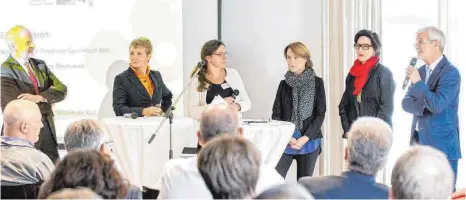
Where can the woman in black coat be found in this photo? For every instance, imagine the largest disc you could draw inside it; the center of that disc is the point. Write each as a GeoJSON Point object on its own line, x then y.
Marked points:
{"type": "Point", "coordinates": [300, 99]}
{"type": "Point", "coordinates": [369, 85]}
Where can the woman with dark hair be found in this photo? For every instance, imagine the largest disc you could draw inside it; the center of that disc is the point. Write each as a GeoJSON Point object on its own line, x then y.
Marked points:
{"type": "Point", "coordinates": [214, 80]}
{"type": "Point", "coordinates": [89, 169]}
{"type": "Point", "coordinates": [369, 85]}
{"type": "Point", "coordinates": [300, 99]}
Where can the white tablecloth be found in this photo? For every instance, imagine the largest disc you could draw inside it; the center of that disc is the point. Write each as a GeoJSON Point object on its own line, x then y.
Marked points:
{"type": "Point", "coordinates": [270, 138]}
{"type": "Point", "coordinates": [139, 162]}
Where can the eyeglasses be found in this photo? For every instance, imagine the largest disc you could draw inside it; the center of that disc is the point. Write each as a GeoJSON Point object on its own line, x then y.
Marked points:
{"type": "Point", "coordinates": [363, 46]}
{"type": "Point", "coordinates": [421, 42]}
{"type": "Point", "coordinates": [222, 55]}
{"type": "Point", "coordinates": [110, 144]}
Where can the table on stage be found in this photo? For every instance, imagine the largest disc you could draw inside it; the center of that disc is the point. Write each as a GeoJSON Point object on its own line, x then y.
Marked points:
{"type": "Point", "coordinates": [270, 138]}
{"type": "Point", "coordinates": [142, 163]}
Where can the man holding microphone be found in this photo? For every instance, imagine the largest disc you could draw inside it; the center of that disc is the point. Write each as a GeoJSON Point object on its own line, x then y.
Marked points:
{"type": "Point", "coordinates": [433, 97]}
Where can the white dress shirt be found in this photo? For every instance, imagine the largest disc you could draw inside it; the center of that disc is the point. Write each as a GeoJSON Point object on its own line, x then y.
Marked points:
{"type": "Point", "coordinates": [23, 62]}
{"type": "Point", "coordinates": [181, 179]}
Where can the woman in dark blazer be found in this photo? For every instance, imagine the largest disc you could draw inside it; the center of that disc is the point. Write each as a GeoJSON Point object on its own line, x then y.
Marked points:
{"type": "Point", "coordinates": [300, 99]}
{"type": "Point", "coordinates": [139, 89]}
{"type": "Point", "coordinates": [369, 85]}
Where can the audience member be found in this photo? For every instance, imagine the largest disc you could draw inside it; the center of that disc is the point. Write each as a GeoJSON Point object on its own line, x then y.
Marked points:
{"type": "Point", "coordinates": [285, 191]}
{"type": "Point", "coordinates": [77, 193]}
{"type": "Point", "coordinates": [369, 141]}
{"type": "Point", "coordinates": [21, 162]}
{"type": "Point", "coordinates": [229, 166]}
{"type": "Point", "coordinates": [87, 168]}
{"type": "Point", "coordinates": [422, 173]}
{"type": "Point", "coordinates": [181, 177]}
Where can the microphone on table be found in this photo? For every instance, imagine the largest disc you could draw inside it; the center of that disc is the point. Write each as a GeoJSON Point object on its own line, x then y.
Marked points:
{"type": "Point", "coordinates": [235, 93]}
{"type": "Point", "coordinates": [412, 63]}
{"type": "Point", "coordinates": [132, 115]}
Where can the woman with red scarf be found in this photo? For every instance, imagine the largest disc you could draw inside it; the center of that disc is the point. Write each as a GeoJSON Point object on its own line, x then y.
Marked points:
{"type": "Point", "coordinates": [369, 85]}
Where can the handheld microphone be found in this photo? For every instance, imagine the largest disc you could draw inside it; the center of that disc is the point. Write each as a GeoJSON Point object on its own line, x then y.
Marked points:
{"type": "Point", "coordinates": [412, 63]}
{"type": "Point", "coordinates": [235, 93]}
{"type": "Point", "coordinates": [132, 115]}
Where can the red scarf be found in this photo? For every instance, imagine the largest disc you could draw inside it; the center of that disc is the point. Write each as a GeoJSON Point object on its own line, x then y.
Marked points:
{"type": "Point", "coordinates": [361, 72]}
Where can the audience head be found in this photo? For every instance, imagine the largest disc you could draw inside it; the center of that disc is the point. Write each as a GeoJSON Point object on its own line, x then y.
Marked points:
{"type": "Point", "coordinates": [140, 52]}
{"type": "Point", "coordinates": [422, 173]}
{"type": "Point", "coordinates": [430, 43]}
{"type": "Point", "coordinates": [213, 55]}
{"type": "Point", "coordinates": [218, 120]}
{"type": "Point", "coordinates": [229, 166]}
{"type": "Point", "coordinates": [78, 193]}
{"type": "Point", "coordinates": [285, 191]}
{"type": "Point", "coordinates": [85, 134]}
{"type": "Point", "coordinates": [91, 169]}
{"type": "Point", "coordinates": [20, 42]}
{"type": "Point", "coordinates": [22, 119]}
{"type": "Point", "coordinates": [298, 57]}
{"type": "Point", "coordinates": [369, 141]}
{"type": "Point", "coordinates": [367, 44]}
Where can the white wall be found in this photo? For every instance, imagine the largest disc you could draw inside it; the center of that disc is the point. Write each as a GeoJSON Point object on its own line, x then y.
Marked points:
{"type": "Point", "coordinates": [199, 26]}
{"type": "Point", "coordinates": [255, 34]}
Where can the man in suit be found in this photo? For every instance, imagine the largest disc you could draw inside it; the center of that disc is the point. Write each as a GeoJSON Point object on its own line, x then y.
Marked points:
{"type": "Point", "coordinates": [369, 141]}
{"type": "Point", "coordinates": [24, 77]}
{"type": "Point", "coordinates": [139, 89]}
{"type": "Point", "coordinates": [433, 97]}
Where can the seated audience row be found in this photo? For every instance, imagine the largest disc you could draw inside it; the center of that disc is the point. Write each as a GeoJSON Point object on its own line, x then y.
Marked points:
{"type": "Point", "coordinates": [227, 166]}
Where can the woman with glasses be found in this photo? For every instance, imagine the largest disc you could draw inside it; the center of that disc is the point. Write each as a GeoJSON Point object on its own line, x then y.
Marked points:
{"type": "Point", "coordinates": [369, 85]}
{"type": "Point", "coordinates": [300, 99]}
{"type": "Point", "coordinates": [215, 81]}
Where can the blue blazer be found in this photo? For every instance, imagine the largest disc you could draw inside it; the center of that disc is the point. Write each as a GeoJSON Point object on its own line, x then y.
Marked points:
{"type": "Point", "coordinates": [435, 107]}
{"type": "Point", "coordinates": [349, 185]}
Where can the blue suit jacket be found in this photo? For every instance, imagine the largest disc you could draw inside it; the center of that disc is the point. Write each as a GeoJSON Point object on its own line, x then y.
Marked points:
{"type": "Point", "coordinates": [349, 185]}
{"type": "Point", "coordinates": [435, 107]}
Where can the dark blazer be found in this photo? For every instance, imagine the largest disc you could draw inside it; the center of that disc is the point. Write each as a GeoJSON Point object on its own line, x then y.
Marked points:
{"type": "Point", "coordinates": [435, 107]}
{"type": "Point", "coordinates": [15, 81]}
{"type": "Point", "coordinates": [349, 185]}
{"type": "Point", "coordinates": [283, 106]}
{"type": "Point", "coordinates": [130, 95]}
{"type": "Point", "coordinates": [376, 98]}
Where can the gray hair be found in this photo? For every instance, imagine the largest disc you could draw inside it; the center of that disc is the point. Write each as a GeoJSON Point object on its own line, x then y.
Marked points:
{"type": "Point", "coordinates": [422, 173]}
{"type": "Point", "coordinates": [434, 34]}
{"type": "Point", "coordinates": [84, 134]}
{"type": "Point", "coordinates": [216, 120]}
{"type": "Point", "coordinates": [286, 191]}
{"type": "Point", "coordinates": [229, 166]}
{"type": "Point", "coordinates": [369, 141]}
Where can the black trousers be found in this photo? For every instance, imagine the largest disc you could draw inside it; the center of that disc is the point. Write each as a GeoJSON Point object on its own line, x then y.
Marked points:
{"type": "Point", "coordinates": [47, 143]}
{"type": "Point", "coordinates": [305, 163]}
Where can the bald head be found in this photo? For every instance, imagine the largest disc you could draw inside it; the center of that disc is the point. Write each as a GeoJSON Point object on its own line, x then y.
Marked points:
{"type": "Point", "coordinates": [218, 120]}
{"type": "Point", "coordinates": [20, 42]}
{"type": "Point", "coordinates": [22, 118]}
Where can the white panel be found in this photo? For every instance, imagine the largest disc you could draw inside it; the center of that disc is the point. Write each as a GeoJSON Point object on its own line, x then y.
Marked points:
{"type": "Point", "coordinates": [255, 34]}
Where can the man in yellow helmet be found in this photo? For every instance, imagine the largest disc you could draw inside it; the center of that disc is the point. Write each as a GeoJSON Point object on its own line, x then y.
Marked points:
{"type": "Point", "coordinates": [24, 77]}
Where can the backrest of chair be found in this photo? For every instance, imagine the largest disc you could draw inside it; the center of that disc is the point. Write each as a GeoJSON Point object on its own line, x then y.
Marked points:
{"type": "Point", "coordinates": [30, 191]}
